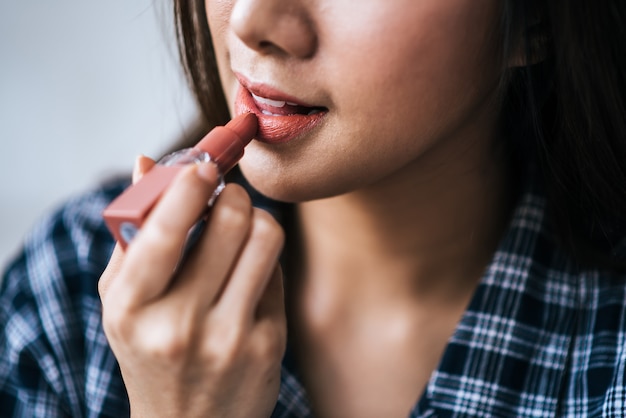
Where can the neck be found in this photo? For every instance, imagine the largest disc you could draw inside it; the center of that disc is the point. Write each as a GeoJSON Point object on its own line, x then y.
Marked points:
{"type": "Point", "coordinates": [425, 233]}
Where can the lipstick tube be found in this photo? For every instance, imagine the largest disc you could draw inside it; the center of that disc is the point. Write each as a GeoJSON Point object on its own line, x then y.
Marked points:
{"type": "Point", "coordinates": [224, 146]}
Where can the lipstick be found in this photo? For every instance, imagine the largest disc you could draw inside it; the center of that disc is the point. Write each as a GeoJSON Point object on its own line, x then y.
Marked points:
{"type": "Point", "coordinates": [224, 145]}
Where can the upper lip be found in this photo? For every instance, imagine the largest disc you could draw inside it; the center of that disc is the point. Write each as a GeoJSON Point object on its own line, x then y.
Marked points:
{"type": "Point", "coordinates": [268, 92]}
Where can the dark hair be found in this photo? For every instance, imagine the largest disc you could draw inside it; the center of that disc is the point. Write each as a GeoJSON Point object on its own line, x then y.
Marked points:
{"type": "Point", "coordinates": [566, 108]}
{"type": "Point", "coordinates": [572, 107]}
{"type": "Point", "coordinates": [198, 60]}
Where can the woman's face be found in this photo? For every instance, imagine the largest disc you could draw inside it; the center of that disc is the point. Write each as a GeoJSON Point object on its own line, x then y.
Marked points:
{"type": "Point", "coordinates": [350, 94]}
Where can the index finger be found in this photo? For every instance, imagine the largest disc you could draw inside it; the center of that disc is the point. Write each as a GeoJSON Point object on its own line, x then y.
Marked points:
{"type": "Point", "coordinates": [111, 271]}
{"type": "Point", "coordinates": [154, 253]}
{"type": "Point", "coordinates": [143, 164]}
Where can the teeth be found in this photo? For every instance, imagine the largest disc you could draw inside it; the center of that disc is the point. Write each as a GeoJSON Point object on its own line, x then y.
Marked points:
{"type": "Point", "coordinates": [269, 102]}
{"type": "Point", "coordinates": [268, 113]}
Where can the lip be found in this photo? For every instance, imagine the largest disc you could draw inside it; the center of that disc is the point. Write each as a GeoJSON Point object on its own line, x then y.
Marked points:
{"type": "Point", "coordinates": [274, 129]}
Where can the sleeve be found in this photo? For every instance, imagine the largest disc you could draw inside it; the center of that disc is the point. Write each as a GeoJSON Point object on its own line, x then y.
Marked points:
{"type": "Point", "coordinates": [54, 358]}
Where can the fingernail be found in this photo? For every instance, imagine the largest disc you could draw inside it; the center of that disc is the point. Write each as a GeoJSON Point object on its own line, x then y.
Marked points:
{"type": "Point", "coordinates": [137, 168]}
{"type": "Point", "coordinates": [207, 171]}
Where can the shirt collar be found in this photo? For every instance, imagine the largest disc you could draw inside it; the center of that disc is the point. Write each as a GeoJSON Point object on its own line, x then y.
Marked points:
{"type": "Point", "coordinates": [508, 353]}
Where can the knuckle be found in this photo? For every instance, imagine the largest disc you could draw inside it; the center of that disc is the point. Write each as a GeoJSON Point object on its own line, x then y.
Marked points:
{"type": "Point", "coordinates": [269, 346]}
{"type": "Point", "coordinates": [234, 208]}
{"type": "Point", "coordinates": [162, 237]}
{"type": "Point", "coordinates": [234, 217]}
{"type": "Point", "coordinates": [266, 228]}
{"type": "Point", "coordinates": [167, 351]}
{"type": "Point", "coordinates": [234, 194]}
{"type": "Point", "coordinates": [160, 231]}
{"type": "Point", "coordinates": [237, 192]}
{"type": "Point", "coordinates": [162, 342]}
{"type": "Point", "coordinates": [116, 323]}
{"type": "Point", "coordinates": [223, 348]}
{"type": "Point", "coordinates": [167, 344]}
{"type": "Point", "coordinates": [103, 285]}
{"type": "Point", "coordinates": [109, 274]}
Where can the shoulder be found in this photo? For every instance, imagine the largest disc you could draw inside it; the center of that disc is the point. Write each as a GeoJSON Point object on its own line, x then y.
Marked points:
{"type": "Point", "coordinates": [68, 242]}
{"type": "Point", "coordinates": [596, 379]}
{"type": "Point", "coordinates": [561, 320]}
{"type": "Point", "coordinates": [50, 315]}
{"type": "Point", "coordinates": [54, 276]}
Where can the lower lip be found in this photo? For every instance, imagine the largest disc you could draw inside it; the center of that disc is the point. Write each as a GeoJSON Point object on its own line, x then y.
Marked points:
{"type": "Point", "coordinates": [276, 129]}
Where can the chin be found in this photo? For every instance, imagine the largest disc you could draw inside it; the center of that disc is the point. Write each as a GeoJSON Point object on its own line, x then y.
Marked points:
{"type": "Point", "coordinates": [275, 187]}
{"type": "Point", "coordinates": [287, 187]}
{"type": "Point", "coordinates": [273, 177]}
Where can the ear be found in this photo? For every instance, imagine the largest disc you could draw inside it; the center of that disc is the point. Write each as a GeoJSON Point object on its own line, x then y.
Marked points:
{"type": "Point", "coordinates": [532, 46]}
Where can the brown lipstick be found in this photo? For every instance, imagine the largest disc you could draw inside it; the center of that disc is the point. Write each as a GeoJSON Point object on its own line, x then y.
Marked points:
{"type": "Point", "coordinates": [224, 145]}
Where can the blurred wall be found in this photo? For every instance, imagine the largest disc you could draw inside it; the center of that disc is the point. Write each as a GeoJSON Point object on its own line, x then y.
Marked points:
{"type": "Point", "coordinates": [85, 86]}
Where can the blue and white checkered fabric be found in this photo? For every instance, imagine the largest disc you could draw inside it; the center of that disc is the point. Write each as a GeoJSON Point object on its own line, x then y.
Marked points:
{"type": "Point", "coordinates": [541, 336]}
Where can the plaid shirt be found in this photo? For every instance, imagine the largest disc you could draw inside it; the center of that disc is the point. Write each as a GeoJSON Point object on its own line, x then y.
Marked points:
{"type": "Point", "coordinates": [541, 336]}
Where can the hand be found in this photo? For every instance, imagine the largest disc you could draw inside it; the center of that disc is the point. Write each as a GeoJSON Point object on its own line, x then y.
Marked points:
{"type": "Point", "coordinates": [209, 339]}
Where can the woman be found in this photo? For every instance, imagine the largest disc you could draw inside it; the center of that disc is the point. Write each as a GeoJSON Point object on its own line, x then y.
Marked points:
{"type": "Point", "coordinates": [455, 185]}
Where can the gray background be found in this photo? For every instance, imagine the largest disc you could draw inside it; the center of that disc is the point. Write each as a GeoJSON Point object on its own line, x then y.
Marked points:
{"type": "Point", "coordinates": [85, 86]}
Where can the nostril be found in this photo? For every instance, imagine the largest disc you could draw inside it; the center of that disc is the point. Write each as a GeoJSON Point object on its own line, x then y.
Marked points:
{"type": "Point", "coordinates": [267, 47]}
{"type": "Point", "coordinates": [274, 26]}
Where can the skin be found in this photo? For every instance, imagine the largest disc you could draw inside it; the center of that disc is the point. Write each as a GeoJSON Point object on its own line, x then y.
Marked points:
{"type": "Point", "coordinates": [433, 77]}
{"type": "Point", "coordinates": [402, 198]}
{"type": "Point", "coordinates": [196, 342]}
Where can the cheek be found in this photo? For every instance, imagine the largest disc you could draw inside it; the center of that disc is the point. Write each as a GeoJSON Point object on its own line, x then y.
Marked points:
{"type": "Point", "coordinates": [395, 93]}
{"type": "Point", "coordinates": [432, 60]}
{"type": "Point", "coordinates": [218, 14]}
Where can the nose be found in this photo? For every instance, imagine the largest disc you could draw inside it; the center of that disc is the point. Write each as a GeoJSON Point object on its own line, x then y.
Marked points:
{"type": "Point", "coordinates": [275, 27]}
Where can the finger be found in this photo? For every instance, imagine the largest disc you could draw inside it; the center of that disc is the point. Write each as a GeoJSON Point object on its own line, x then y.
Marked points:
{"type": "Point", "coordinates": [254, 268]}
{"type": "Point", "coordinates": [111, 271]}
{"type": "Point", "coordinates": [269, 333]}
{"type": "Point", "coordinates": [212, 258]}
{"type": "Point", "coordinates": [154, 253]}
{"type": "Point", "coordinates": [143, 164]}
{"type": "Point", "coordinates": [272, 302]}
